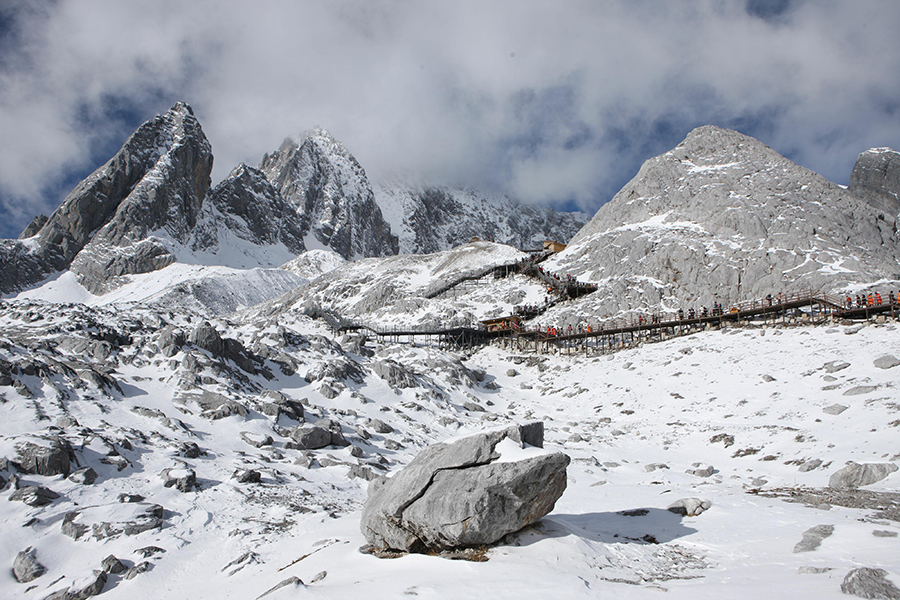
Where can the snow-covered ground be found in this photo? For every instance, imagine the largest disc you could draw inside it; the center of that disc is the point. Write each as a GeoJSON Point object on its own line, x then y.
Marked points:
{"type": "Point", "coordinates": [747, 402]}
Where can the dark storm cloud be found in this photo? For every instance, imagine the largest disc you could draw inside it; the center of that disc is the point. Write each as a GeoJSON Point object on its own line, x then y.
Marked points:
{"type": "Point", "coordinates": [547, 101]}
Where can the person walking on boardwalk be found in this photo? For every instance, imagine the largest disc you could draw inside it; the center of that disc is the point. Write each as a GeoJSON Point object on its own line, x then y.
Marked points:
{"type": "Point", "coordinates": [769, 298]}
{"type": "Point", "coordinates": [877, 298]}
{"type": "Point", "coordinates": [849, 302]}
{"type": "Point", "coordinates": [870, 300]}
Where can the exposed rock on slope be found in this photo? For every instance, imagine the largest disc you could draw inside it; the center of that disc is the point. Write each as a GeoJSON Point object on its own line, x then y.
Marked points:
{"type": "Point", "coordinates": [331, 194]}
{"type": "Point", "coordinates": [431, 219]}
{"type": "Point", "coordinates": [724, 217]}
{"type": "Point", "coordinates": [876, 178]}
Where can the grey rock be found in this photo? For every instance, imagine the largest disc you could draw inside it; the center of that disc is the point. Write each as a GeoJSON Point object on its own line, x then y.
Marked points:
{"type": "Point", "coordinates": [26, 566]}
{"type": "Point", "coordinates": [810, 465]}
{"type": "Point", "coordinates": [650, 467]}
{"type": "Point", "coordinates": [82, 588]}
{"type": "Point", "coordinates": [34, 227]}
{"type": "Point", "coordinates": [246, 476]}
{"type": "Point", "coordinates": [395, 374]}
{"type": "Point", "coordinates": [361, 472]}
{"type": "Point", "coordinates": [49, 456]}
{"type": "Point", "coordinates": [66, 421]}
{"type": "Point", "coordinates": [380, 426]}
{"type": "Point", "coordinates": [215, 406]}
{"type": "Point", "coordinates": [205, 336]}
{"type": "Point", "coordinates": [883, 533]}
{"type": "Point", "coordinates": [870, 583]}
{"type": "Point", "coordinates": [834, 409]}
{"type": "Point", "coordinates": [701, 472]}
{"type": "Point", "coordinates": [768, 378]}
{"type": "Point", "coordinates": [835, 366]}
{"type": "Point", "coordinates": [183, 479]}
{"type": "Point", "coordinates": [473, 406]}
{"type": "Point", "coordinates": [887, 361]}
{"type": "Point", "coordinates": [859, 390]}
{"type": "Point", "coordinates": [148, 551]}
{"type": "Point", "coordinates": [293, 580]}
{"type": "Point", "coordinates": [112, 520]}
{"type": "Point", "coordinates": [84, 476]}
{"type": "Point", "coordinates": [689, 507]}
{"type": "Point", "coordinates": [856, 475]}
{"type": "Point", "coordinates": [331, 194]}
{"type": "Point", "coordinates": [137, 569]}
{"type": "Point", "coordinates": [511, 372]}
{"type": "Point", "coordinates": [450, 496]}
{"type": "Point", "coordinates": [310, 437]}
{"type": "Point", "coordinates": [813, 537]}
{"type": "Point", "coordinates": [853, 329]}
{"type": "Point", "coordinates": [34, 495]}
{"type": "Point", "coordinates": [257, 440]}
{"type": "Point", "coordinates": [876, 178]}
{"type": "Point", "coordinates": [112, 565]}
{"type": "Point", "coordinates": [807, 570]}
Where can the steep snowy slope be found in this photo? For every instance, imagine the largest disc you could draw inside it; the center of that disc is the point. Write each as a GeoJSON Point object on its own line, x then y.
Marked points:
{"type": "Point", "coordinates": [722, 217]}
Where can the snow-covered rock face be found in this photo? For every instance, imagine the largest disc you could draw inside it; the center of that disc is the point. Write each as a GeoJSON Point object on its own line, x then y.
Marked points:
{"type": "Point", "coordinates": [724, 217]}
{"type": "Point", "coordinates": [332, 196]}
{"type": "Point", "coordinates": [876, 178]}
{"type": "Point", "coordinates": [431, 219]}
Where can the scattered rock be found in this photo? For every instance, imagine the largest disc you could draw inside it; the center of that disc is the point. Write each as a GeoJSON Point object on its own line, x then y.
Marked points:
{"type": "Point", "coordinates": [34, 495]}
{"type": "Point", "coordinates": [768, 378]}
{"type": "Point", "coordinates": [311, 437]}
{"type": "Point", "coordinates": [810, 465]}
{"type": "Point", "coordinates": [380, 426]}
{"type": "Point", "coordinates": [859, 390]}
{"type": "Point", "coordinates": [184, 479]}
{"type": "Point", "coordinates": [853, 329]}
{"type": "Point", "coordinates": [886, 362]}
{"type": "Point", "coordinates": [256, 440]}
{"type": "Point", "coordinates": [856, 475]}
{"type": "Point", "coordinates": [834, 409]}
{"type": "Point", "coordinates": [870, 583]}
{"type": "Point", "coordinates": [87, 586]}
{"type": "Point", "coordinates": [806, 570]}
{"type": "Point", "coordinates": [130, 498]}
{"type": "Point", "coordinates": [689, 507]}
{"type": "Point", "coordinates": [44, 456]}
{"type": "Point", "coordinates": [701, 472]}
{"type": "Point", "coordinates": [113, 565]}
{"type": "Point", "coordinates": [650, 467]}
{"type": "Point", "coordinates": [835, 366]}
{"type": "Point", "coordinates": [361, 472]}
{"type": "Point", "coordinates": [473, 406]}
{"type": "Point", "coordinates": [395, 374]}
{"type": "Point", "coordinates": [511, 372]}
{"type": "Point", "coordinates": [813, 537]}
{"type": "Point", "coordinates": [727, 440]}
{"type": "Point", "coordinates": [84, 476]}
{"type": "Point", "coordinates": [456, 495]}
{"type": "Point", "coordinates": [148, 551]}
{"type": "Point", "coordinates": [26, 566]}
{"type": "Point", "coordinates": [113, 519]}
{"type": "Point", "coordinates": [137, 569]}
{"type": "Point", "coordinates": [293, 580]}
{"type": "Point", "coordinates": [883, 533]}
{"type": "Point", "coordinates": [319, 576]}
{"type": "Point", "coordinates": [246, 476]}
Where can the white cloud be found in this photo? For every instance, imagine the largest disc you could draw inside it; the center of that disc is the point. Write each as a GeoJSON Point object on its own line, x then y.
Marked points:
{"type": "Point", "coordinates": [548, 101]}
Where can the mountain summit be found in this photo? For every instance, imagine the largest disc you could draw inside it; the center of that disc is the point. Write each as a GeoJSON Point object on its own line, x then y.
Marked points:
{"type": "Point", "coordinates": [723, 217]}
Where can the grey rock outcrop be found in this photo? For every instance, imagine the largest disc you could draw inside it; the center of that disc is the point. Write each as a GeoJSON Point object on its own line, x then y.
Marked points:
{"type": "Point", "coordinates": [311, 437]}
{"type": "Point", "coordinates": [183, 479]}
{"type": "Point", "coordinates": [812, 538]}
{"type": "Point", "coordinates": [722, 217]}
{"type": "Point", "coordinates": [34, 495]}
{"type": "Point", "coordinates": [876, 178]}
{"type": "Point", "coordinates": [857, 475]}
{"type": "Point", "coordinates": [866, 582]}
{"type": "Point", "coordinates": [113, 565]}
{"type": "Point", "coordinates": [84, 476]}
{"type": "Point", "coordinates": [26, 566]}
{"type": "Point", "coordinates": [456, 495]}
{"type": "Point", "coordinates": [82, 588]}
{"type": "Point", "coordinates": [48, 456]}
{"type": "Point", "coordinates": [331, 194]}
{"type": "Point", "coordinates": [888, 361]}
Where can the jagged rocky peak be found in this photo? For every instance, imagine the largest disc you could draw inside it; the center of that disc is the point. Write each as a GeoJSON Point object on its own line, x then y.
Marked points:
{"type": "Point", "coordinates": [432, 219]}
{"type": "Point", "coordinates": [332, 196]}
{"type": "Point", "coordinates": [251, 207]}
{"type": "Point", "coordinates": [723, 217]}
{"type": "Point", "coordinates": [876, 178]}
{"type": "Point", "coordinates": [155, 182]}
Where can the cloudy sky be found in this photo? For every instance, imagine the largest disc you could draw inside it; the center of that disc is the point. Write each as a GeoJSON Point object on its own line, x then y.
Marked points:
{"type": "Point", "coordinates": [555, 102]}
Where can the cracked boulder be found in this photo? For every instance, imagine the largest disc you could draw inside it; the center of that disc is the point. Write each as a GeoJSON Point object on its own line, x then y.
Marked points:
{"type": "Point", "coordinates": [45, 456]}
{"type": "Point", "coordinates": [471, 492]}
{"type": "Point", "coordinates": [856, 475]}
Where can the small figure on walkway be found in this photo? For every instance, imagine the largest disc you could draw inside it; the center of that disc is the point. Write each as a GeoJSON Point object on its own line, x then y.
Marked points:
{"type": "Point", "coordinates": [704, 312]}
{"type": "Point", "coordinates": [769, 298]}
{"type": "Point", "coordinates": [849, 302]}
{"type": "Point", "coordinates": [691, 313]}
{"type": "Point", "coordinates": [680, 315]}
{"type": "Point", "coordinates": [870, 300]}
{"type": "Point", "coordinates": [877, 298]}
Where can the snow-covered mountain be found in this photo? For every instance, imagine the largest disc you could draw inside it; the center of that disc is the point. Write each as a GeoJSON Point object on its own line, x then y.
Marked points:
{"type": "Point", "coordinates": [432, 219]}
{"type": "Point", "coordinates": [722, 217]}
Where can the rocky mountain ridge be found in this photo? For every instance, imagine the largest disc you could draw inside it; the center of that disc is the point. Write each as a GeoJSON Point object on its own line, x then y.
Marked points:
{"type": "Point", "coordinates": [722, 217]}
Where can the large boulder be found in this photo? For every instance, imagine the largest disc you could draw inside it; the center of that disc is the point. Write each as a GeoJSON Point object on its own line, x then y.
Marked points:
{"type": "Point", "coordinates": [26, 566]}
{"type": "Point", "coordinates": [44, 456]}
{"type": "Point", "coordinates": [468, 493]}
{"type": "Point", "coordinates": [856, 475]}
{"type": "Point", "coordinates": [111, 520]}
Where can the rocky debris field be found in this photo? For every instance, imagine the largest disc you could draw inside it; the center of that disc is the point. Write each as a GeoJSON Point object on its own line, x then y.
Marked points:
{"type": "Point", "coordinates": [227, 456]}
